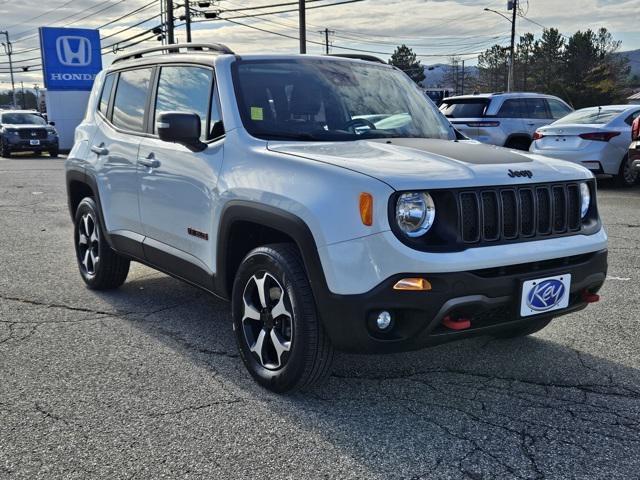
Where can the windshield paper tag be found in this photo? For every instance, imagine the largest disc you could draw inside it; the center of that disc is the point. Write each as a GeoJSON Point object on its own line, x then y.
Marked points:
{"type": "Point", "coordinates": [257, 113]}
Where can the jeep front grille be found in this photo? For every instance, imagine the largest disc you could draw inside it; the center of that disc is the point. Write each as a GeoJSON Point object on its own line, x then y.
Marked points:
{"type": "Point", "coordinates": [513, 213]}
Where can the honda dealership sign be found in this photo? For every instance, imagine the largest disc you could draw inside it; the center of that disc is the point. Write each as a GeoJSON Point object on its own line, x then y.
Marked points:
{"type": "Point", "coordinates": [71, 57]}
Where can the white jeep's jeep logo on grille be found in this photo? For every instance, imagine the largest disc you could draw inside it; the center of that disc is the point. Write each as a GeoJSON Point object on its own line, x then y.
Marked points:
{"type": "Point", "coordinates": [73, 51]}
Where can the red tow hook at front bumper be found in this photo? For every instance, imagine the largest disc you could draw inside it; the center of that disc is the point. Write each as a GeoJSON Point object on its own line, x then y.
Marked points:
{"type": "Point", "coordinates": [590, 297]}
{"type": "Point", "coordinates": [456, 324]}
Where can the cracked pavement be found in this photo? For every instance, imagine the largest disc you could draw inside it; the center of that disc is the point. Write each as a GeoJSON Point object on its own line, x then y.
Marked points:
{"type": "Point", "coordinates": [145, 381]}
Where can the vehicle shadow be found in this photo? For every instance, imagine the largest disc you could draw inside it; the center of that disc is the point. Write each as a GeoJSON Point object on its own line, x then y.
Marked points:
{"type": "Point", "coordinates": [481, 408]}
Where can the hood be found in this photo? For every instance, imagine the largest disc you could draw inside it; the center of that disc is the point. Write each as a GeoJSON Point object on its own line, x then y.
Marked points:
{"type": "Point", "coordinates": [417, 163]}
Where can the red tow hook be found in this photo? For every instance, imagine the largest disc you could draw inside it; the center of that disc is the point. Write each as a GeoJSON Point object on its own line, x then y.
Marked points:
{"type": "Point", "coordinates": [590, 297]}
{"type": "Point", "coordinates": [456, 324]}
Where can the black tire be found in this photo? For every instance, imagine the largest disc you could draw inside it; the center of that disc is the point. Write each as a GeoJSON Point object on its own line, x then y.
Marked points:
{"type": "Point", "coordinates": [523, 331]}
{"type": "Point", "coordinates": [54, 153]}
{"type": "Point", "coordinates": [109, 270]}
{"type": "Point", "coordinates": [5, 151]}
{"type": "Point", "coordinates": [310, 355]}
{"type": "Point", "coordinates": [627, 175]}
{"type": "Point", "coordinates": [518, 143]}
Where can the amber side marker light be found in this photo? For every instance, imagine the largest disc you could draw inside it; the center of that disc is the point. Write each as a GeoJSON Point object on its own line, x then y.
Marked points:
{"type": "Point", "coordinates": [420, 284]}
{"type": "Point", "coordinates": [366, 209]}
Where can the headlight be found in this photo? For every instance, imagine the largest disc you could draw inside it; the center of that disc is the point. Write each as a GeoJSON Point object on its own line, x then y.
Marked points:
{"type": "Point", "coordinates": [585, 199]}
{"type": "Point", "coordinates": [12, 132]}
{"type": "Point", "coordinates": [415, 213]}
{"type": "Point", "coordinates": [52, 131]}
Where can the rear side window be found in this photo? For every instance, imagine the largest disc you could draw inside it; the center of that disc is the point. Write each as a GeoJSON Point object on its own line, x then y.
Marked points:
{"type": "Point", "coordinates": [471, 108]}
{"type": "Point", "coordinates": [513, 108]}
{"type": "Point", "coordinates": [558, 109]}
{"type": "Point", "coordinates": [103, 106]}
{"type": "Point", "coordinates": [130, 99]}
{"type": "Point", "coordinates": [186, 90]}
{"type": "Point", "coordinates": [536, 108]}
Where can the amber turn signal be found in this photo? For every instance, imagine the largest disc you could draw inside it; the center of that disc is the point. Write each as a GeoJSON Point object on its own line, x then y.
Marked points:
{"type": "Point", "coordinates": [420, 284]}
{"type": "Point", "coordinates": [366, 209]}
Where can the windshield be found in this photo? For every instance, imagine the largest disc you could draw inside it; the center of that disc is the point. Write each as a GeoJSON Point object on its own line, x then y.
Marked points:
{"type": "Point", "coordinates": [471, 108]}
{"type": "Point", "coordinates": [316, 100]}
{"type": "Point", "coordinates": [22, 119]}
{"type": "Point", "coordinates": [590, 116]}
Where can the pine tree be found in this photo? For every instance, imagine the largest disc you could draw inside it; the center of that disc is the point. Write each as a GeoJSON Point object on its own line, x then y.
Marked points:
{"type": "Point", "coordinates": [407, 61]}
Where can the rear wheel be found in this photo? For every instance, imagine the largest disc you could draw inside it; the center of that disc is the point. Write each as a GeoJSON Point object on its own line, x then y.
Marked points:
{"type": "Point", "coordinates": [101, 267]}
{"type": "Point", "coordinates": [518, 143]}
{"type": "Point", "coordinates": [280, 338]}
{"type": "Point", "coordinates": [524, 330]}
{"type": "Point", "coordinates": [627, 175]}
{"type": "Point", "coordinates": [54, 153]}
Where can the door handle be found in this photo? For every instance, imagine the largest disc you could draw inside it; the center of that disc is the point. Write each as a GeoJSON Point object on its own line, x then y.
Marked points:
{"type": "Point", "coordinates": [531, 124]}
{"type": "Point", "coordinates": [150, 161]}
{"type": "Point", "coordinates": [99, 149]}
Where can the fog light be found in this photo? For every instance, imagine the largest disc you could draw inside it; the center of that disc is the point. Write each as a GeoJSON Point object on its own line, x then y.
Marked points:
{"type": "Point", "coordinates": [383, 321]}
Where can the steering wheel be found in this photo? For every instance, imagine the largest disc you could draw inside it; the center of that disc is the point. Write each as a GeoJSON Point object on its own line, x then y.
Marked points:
{"type": "Point", "coordinates": [358, 121]}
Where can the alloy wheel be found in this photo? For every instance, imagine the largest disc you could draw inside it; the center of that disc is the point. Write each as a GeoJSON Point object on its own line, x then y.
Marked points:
{"type": "Point", "coordinates": [88, 244]}
{"type": "Point", "coordinates": [267, 321]}
{"type": "Point", "coordinates": [629, 174]}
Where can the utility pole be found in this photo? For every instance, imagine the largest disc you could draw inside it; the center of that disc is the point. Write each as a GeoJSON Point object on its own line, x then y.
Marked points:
{"type": "Point", "coordinates": [36, 87]}
{"type": "Point", "coordinates": [187, 19]}
{"type": "Point", "coordinates": [303, 26]}
{"type": "Point", "coordinates": [326, 32]}
{"type": "Point", "coordinates": [514, 7]}
{"type": "Point", "coordinates": [170, 23]}
{"type": "Point", "coordinates": [8, 50]}
{"type": "Point", "coordinates": [24, 101]}
{"type": "Point", "coordinates": [462, 87]}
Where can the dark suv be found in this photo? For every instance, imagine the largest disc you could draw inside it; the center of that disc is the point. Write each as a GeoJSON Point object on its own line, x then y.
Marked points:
{"type": "Point", "coordinates": [26, 131]}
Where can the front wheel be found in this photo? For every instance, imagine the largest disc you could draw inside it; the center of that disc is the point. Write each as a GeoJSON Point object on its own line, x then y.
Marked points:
{"type": "Point", "coordinates": [5, 151]}
{"type": "Point", "coordinates": [627, 175]}
{"type": "Point", "coordinates": [281, 340]}
{"type": "Point", "coordinates": [54, 153]}
{"type": "Point", "coordinates": [100, 266]}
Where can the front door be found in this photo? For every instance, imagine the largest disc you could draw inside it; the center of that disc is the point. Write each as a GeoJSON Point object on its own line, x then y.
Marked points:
{"type": "Point", "coordinates": [116, 145]}
{"type": "Point", "coordinates": [178, 187]}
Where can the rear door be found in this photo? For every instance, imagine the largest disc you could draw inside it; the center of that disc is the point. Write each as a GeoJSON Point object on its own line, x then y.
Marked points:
{"type": "Point", "coordinates": [537, 115]}
{"type": "Point", "coordinates": [115, 150]}
{"type": "Point", "coordinates": [179, 192]}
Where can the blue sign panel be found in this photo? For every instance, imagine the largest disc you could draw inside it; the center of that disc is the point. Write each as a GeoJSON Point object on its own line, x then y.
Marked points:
{"type": "Point", "coordinates": [71, 57]}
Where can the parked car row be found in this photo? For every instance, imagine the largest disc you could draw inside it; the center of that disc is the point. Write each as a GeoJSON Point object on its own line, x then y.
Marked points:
{"type": "Point", "coordinates": [596, 137]}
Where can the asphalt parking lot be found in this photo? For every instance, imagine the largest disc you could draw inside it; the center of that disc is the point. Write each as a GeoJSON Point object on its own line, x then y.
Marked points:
{"type": "Point", "coordinates": [145, 382]}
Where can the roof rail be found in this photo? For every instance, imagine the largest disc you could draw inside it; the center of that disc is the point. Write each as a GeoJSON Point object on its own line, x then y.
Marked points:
{"type": "Point", "coordinates": [218, 48]}
{"type": "Point", "coordinates": [359, 56]}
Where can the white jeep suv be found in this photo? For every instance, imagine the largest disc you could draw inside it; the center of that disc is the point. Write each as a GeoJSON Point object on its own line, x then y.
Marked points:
{"type": "Point", "coordinates": [329, 201]}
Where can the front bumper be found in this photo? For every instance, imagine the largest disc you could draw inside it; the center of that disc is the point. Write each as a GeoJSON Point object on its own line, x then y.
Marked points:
{"type": "Point", "coordinates": [17, 144]}
{"type": "Point", "coordinates": [490, 298]}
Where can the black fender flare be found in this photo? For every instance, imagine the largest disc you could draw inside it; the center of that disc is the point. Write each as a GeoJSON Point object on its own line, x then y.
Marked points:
{"type": "Point", "coordinates": [275, 218]}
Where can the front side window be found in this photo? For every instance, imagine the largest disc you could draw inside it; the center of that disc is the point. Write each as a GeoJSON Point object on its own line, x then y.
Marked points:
{"type": "Point", "coordinates": [106, 94]}
{"type": "Point", "coordinates": [185, 89]}
{"type": "Point", "coordinates": [130, 99]}
{"type": "Point", "coordinates": [22, 119]}
{"type": "Point", "coordinates": [332, 100]}
{"type": "Point", "coordinates": [558, 109]}
{"type": "Point", "coordinates": [513, 108]}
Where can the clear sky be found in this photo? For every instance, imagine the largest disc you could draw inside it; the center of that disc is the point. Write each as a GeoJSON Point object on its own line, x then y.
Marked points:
{"type": "Point", "coordinates": [435, 29]}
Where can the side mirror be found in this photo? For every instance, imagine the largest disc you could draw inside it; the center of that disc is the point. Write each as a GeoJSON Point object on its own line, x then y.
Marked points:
{"type": "Point", "coordinates": [182, 128]}
{"type": "Point", "coordinates": [53, 124]}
